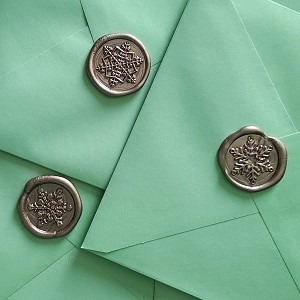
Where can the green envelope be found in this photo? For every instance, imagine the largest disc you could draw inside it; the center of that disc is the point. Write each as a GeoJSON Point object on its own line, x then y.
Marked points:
{"type": "Point", "coordinates": [32, 268]}
{"type": "Point", "coordinates": [168, 211]}
{"type": "Point", "coordinates": [52, 114]}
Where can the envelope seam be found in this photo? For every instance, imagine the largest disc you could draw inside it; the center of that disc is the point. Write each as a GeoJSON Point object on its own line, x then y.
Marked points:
{"type": "Point", "coordinates": [260, 59]}
{"type": "Point", "coordinates": [275, 244]}
{"type": "Point", "coordinates": [39, 273]}
{"type": "Point", "coordinates": [54, 172]}
{"type": "Point", "coordinates": [288, 135]}
{"type": "Point", "coordinates": [78, 247]}
{"type": "Point", "coordinates": [156, 63]}
{"type": "Point", "coordinates": [141, 107]}
{"type": "Point", "coordinates": [284, 7]}
{"type": "Point", "coordinates": [86, 20]}
{"type": "Point", "coordinates": [43, 52]}
{"type": "Point", "coordinates": [182, 232]}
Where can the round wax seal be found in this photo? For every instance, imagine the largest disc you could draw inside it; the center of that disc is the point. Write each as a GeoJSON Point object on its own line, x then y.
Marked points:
{"type": "Point", "coordinates": [49, 206]}
{"type": "Point", "coordinates": [251, 160]}
{"type": "Point", "coordinates": [118, 64]}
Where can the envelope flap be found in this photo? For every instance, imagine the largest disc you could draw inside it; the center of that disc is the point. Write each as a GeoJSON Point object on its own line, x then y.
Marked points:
{"type": "Point", "coordinates": [81, 275]}
{"type": "Point", "coordinates": [232, 260]}
{"type": "Point", "coordinates": [54, 116]}
{"type": "Point", "coordinates": [167, 180]}
{"type": "Point", "coordinates": [153, 22]}
{"type": "Point", "coordinates": [27, 29]}
{"type": "Point", "coordinates": [276, 37]}
{"type": "Point", "coordinates": [289, 4]}
{"type": "Point", "coordinates": [31, 263]}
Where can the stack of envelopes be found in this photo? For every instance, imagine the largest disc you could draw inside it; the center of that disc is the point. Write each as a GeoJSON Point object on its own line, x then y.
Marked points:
{"type": "Point", "coordinates": [169, 225]}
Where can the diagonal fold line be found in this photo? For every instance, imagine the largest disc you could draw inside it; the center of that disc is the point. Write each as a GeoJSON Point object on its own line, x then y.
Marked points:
{"type": "Point", "coordinates": [72, 243]}
{"type": "Point", "coordinates": [276, 245]}
{"type": "Point", "coordinates": [57, 261]}
{"type": "Point", "coordinates": [175, 29]}
{"type": "Point", "coordinates": [39, 273]}
{"type": "Point", "coordinates": [179, 233]}
{"type": "Point", "coordinates": [284, 7]}
{"type": "Point", "coordinates": [86, 20]}
{"type": "Point", "coordinates": [51, 170]}
{"type": "Point", "coordinates": [144, 99]}
{"type": "Point", "coordinates": [255, 49]}
{"type": "Point", "coordinates": [43, 52]}
{"type": "Point", "coordinates": [288, 135]}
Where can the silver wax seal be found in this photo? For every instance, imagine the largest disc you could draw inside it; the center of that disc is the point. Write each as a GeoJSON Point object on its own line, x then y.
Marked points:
{"type": "Point", "coordinates": [251, 160]}
{"type": "Point", "coordinates": [49, 206]}
{"type": "Point", "coordinates": [118, 64]}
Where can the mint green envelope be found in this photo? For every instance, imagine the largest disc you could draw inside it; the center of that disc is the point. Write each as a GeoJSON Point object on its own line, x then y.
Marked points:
{"type": "Point", "coordinates": [33, 268]}
{"type": "Point", "coordinates": [168, 211]}
{"type": "Point", "coordinates": [53, 120]}
{"type": "Point", "coordinates": [52, 114]}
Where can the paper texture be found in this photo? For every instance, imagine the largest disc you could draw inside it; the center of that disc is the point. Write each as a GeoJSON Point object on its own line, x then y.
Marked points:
{"type": "Point", "coordinates": [32, 267]}
{"type": "Point", "coordinates": [184, 223]}
{"type": "Point", "coordinates": [52, 116]}
{"type": "Point", "coordinates": [52, 113]}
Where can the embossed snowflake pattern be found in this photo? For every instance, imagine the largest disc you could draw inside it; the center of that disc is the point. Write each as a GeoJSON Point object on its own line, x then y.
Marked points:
{"type": "Point", "coordinates": [251, 160]}
{"type": "Point", "coordinates": [50, 207]}
{"type": "Point", "coordinates": [119, 64]}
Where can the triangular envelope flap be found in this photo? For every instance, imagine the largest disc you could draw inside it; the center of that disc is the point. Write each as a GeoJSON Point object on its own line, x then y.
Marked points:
{"type": "Point", "coordinates": [28, 261]}
{"type": "Point", "coordinates": [211, 83]}
{"type": "Point", "coordinates": [54, 116]}
{"type": "Point", "coordinates": [231, 260]}
{"type": "Point", "coordinates": [153, 22]}
{"type": "Point", "coordinates": [276, 36]}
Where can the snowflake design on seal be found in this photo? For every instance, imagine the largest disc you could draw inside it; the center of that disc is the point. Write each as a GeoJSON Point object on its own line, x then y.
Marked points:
{"type": "Point", "coordinates": [119, 64]}
{"type": "Point", "coordinates": [251, 160]}
{"type": "Point", "coordinates": [50, 207]}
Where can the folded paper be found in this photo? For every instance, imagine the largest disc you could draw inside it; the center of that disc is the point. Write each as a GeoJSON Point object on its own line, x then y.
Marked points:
{"type": "Point", "coordinates": [32, 267]}
{"type": "Point", "coordinates": [27, 260]}
{"type": "Point", "coordinates": [52, 113]}
{"type": "Point", "coordinates": [52, 116]}
{"type": "Point", "coordinates": [168, 211]}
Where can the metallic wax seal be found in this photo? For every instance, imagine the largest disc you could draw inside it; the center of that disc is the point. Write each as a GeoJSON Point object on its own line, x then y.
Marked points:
{"type": "Point", "coordinates": [118, 64]}
{"type": "Point", "coordinates": [251, 160]}
{"type": "Point", "coordinates": [49, 206]}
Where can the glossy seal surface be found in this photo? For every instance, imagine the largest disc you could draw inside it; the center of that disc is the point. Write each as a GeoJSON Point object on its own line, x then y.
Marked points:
{"type": "Point", "coordinates": [118, 64]}
{"type": "Point", "coordinates": [251, 160]}
{"type": "Point", "coordinates": [49, 206]}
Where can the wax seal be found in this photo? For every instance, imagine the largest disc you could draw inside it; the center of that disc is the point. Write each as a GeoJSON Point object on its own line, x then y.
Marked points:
{"type": "Point", "coordinates": [118, 64]}
{"type": "Point", "coordinates": [251, 160]}
{"type": "Point", "coordinates": [49, 206]}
